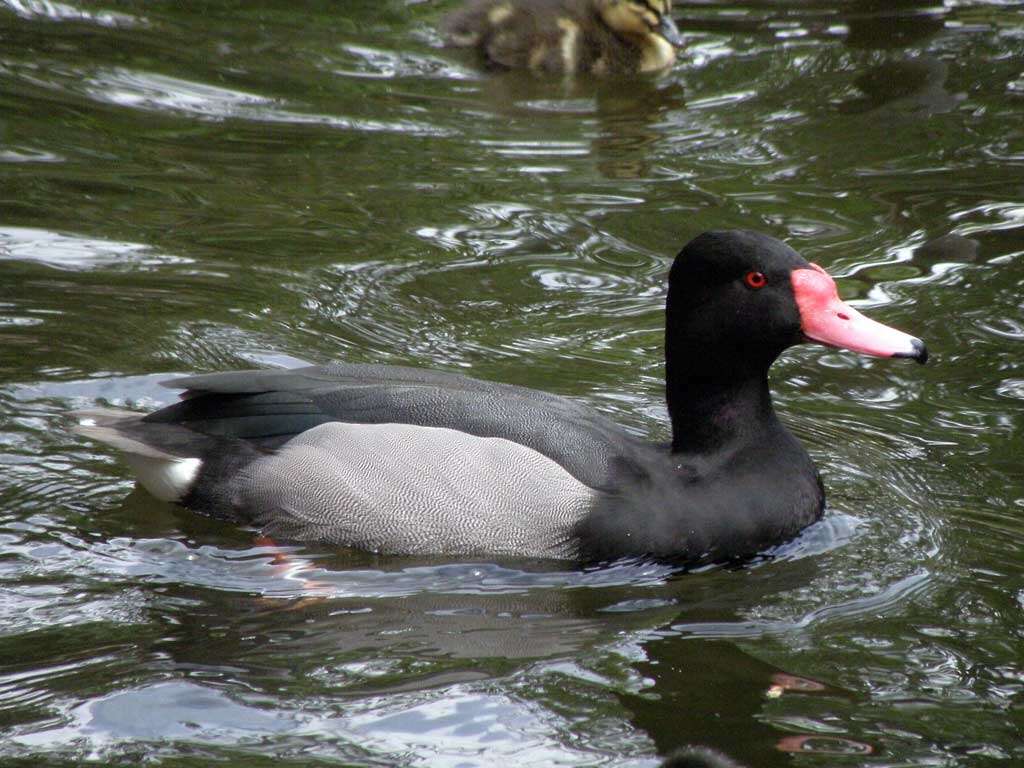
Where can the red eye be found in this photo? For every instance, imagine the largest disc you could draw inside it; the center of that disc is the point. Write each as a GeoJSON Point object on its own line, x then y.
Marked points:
{"type": "Point", "coordinates": [755, 280]}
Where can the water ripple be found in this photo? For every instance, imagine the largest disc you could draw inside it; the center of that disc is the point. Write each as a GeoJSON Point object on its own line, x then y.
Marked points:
{"type": "Point", "coordinates": [891, 598]}
{"type": "Point", "coordinates": [375, 63]}
{"type": "Point", "coordinates": [55, 11]}
{"type": "Point", "coordinates": [155, 92]}
{"type": "Point", "coordinates": [73, 252]}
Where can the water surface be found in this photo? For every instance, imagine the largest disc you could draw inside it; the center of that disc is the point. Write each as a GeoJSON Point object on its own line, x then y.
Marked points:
{"type": "Point", "coordinates": [190, 187]}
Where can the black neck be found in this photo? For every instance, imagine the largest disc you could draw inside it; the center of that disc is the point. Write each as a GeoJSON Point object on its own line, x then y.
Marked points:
{"type": "Point", "coordinates": [710, 413]}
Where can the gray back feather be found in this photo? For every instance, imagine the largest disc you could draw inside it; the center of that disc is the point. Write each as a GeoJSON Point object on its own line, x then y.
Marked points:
{"type": "Point", "coordinates": [270, 407]}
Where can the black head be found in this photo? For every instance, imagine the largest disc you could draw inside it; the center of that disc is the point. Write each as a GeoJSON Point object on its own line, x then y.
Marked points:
{"type": "Point", "coordinates": [730, 303]}
{"type": "Point", "coordinates": [737, 299]}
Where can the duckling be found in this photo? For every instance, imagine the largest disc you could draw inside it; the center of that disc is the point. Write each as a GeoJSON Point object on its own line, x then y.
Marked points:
{"type": "Point", "coordinates": [568, 36]}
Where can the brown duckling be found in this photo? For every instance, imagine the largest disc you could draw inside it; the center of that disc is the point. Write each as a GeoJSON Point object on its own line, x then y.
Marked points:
{"type": "Point", "coordinates": [567, 36]}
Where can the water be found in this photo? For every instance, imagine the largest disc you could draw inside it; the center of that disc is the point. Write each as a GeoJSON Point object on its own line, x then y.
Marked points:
{"type": "Point", "coordinates": [191, 187]}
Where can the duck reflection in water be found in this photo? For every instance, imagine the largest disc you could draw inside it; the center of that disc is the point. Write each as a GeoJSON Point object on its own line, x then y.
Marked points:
{"type": "Point", "coordinates": [429, 633]}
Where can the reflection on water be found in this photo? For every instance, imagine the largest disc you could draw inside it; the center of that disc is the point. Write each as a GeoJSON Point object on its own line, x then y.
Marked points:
{"type": "Point", "coordinates": [64, 252]}
{"type": "Point", "coordinates": [258, 186]}
{"type": "Point", "coordinates": [54, 11]}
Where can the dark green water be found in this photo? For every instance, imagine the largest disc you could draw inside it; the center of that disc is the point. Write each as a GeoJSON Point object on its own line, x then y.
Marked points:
{"type": "Point", "coordinates": [199, 186]}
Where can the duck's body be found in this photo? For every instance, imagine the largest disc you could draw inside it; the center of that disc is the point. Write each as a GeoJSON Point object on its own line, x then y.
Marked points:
{"type": "Point", "coordinates": [567, 36]}
{"type": "Point", "coordinates": [400, 460]}
{"type": "Point", "coordinates": [393, 459]}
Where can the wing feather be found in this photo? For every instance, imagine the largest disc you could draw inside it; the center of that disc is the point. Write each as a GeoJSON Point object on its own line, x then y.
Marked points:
{"type": "Point", "coordinates": [270, 407]}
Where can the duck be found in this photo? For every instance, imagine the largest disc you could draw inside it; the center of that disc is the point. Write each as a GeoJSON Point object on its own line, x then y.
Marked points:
{"type": "Point", "coordinates": [407, 461]}
{"type": "Point", "coordinates": [603, 37]}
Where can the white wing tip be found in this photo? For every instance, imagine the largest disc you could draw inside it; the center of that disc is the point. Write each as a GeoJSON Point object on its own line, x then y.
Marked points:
{"type": "Point", "coordinates": [167, 480]}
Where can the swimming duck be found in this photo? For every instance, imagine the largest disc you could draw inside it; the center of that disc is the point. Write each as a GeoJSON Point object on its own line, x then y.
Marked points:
{"type": "Point", "coordinates": [409, 461]}
{"type": "Point", "coordinates": [567, 36]}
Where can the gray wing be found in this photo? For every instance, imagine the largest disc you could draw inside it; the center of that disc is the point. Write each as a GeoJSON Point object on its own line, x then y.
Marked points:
{"type": "Point", "coordinates": [270, 408]}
